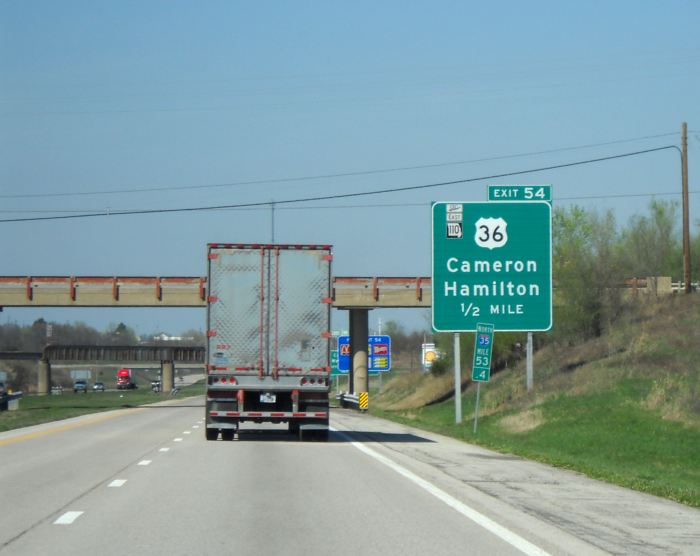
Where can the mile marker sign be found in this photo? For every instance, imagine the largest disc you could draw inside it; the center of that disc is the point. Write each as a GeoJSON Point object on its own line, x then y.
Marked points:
{"type": "Point", "coordinates": [492, 262]}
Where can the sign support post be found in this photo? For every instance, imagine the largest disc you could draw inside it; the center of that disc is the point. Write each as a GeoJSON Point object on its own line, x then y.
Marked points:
{"type": "Point", "coordinates": [476, 407]}
{"type": "Point", "coordinates": [528, 362]}
{"type": "Point", "coordinates": [458, 381]}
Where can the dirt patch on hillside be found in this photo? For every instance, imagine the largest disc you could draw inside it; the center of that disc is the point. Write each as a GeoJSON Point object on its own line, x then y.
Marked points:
{"type": "Point", "coordinates": [412, 391]}
{"type": "Point", "coordinates": [522, 422]}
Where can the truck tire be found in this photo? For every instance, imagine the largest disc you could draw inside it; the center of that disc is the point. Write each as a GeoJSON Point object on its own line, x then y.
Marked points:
{"type": "Point", "coordinates": [227, 434]}
{"type": "Point", "coordinates": [211, 434]}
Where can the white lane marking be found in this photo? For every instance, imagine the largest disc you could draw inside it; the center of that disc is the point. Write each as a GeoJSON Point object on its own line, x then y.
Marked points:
{"type": "Point", "coordinates": [195, 426]}
{"type": "Point", "coordinates": [164, 450]}
{"type": "Point", "coordinates": [177, 439]}
{"type": "Point", "coordinates": [186, 432]}
{"type": "Point", "coordinates": [117, 483]}
{"type": "Point", "coordinates": [67, 518]}
{"type": "Point", "coordinates": [480, 519]}
{"type": "Point", "coordinates": [145, 462]}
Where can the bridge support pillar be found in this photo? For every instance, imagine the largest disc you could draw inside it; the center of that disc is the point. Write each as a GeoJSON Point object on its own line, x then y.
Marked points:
{"type": "Point", "coordinates": [167, 373]}
{"type": "Point", "coordinates": [359, 331]}
{"type": "Point", "coordinates": [44, 383]}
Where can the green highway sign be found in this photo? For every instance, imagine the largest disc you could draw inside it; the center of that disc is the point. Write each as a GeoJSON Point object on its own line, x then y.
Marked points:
{"type": "Point", "coordinates": [483, 347]}
{"type": "Point", "coordinates": [520, 193]}
{"type": "Point", "coordinates": [492, 261]}
{"type": "Point", "coordinates": [334, 362]}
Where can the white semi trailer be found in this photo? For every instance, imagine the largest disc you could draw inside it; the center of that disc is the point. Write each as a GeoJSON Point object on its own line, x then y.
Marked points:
{"type": "Point", "coordinates": [268, 328]}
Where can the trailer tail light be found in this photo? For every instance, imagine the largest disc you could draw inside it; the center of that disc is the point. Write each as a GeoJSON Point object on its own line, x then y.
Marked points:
{"type": "Point", "coordinates": [315, 381]}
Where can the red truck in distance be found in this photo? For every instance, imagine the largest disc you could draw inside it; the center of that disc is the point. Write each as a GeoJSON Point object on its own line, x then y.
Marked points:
{"type": "Point", "coordinates": [124, 380]}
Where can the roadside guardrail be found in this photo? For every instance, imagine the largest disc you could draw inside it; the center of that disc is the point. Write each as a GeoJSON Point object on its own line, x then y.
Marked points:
{"type": "Point", "coordinates": [10, 402]}
{"type": "Point", "coordinates": [348, 400]}
{"type": "Point", "coordinates": [359, 401]}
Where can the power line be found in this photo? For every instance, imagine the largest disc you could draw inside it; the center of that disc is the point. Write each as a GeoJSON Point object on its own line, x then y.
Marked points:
{"type": "Point", "coordinates": [334, 175]}
{"type": "Point", "coordinates": [266, 207]}
{"type": "Point", "coordinates": [342, 195]}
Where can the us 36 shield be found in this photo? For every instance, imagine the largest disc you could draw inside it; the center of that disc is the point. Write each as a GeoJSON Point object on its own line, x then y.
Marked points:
{"type": "Point", "coordinates": [491, 233]}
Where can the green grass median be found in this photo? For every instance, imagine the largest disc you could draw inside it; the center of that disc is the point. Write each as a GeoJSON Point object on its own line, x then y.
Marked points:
{"type": "Point", "coordinates": [34, 410]}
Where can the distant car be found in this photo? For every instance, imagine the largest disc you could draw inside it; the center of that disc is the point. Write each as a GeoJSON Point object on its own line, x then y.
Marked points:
{"type": "Point", "coordinates": [80, 386]}
{"type": "Point", "coordinates": [99, 387]}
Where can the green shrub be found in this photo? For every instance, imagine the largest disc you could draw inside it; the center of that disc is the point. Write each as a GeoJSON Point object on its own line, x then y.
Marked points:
{"type": "Point", "coordinates": [440, 367]}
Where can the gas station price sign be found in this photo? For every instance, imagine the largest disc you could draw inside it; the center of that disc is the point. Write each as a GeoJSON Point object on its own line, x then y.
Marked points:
{"type": "Point", "coordinates": [378, 354]}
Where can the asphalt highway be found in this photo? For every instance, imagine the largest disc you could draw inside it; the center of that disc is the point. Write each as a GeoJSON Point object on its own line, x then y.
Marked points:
{"type": "Point", "coordinates": [145, 481]}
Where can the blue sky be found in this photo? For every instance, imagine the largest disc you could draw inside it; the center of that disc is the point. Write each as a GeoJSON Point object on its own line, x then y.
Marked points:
{"type": "Point", "coordinates": [100, 98]}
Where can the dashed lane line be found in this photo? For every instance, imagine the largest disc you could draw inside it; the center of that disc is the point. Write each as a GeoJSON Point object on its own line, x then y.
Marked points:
{"type": "Point", "coordinates": [67, 518]}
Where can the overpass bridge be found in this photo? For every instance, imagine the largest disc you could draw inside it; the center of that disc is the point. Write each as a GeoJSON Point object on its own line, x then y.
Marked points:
{"type": "Point", "coordinates": [167, 356]}
{"type": "Point", "coordinates": [191, 291]}
{"type": "Point", "coordinates": [357, 295]}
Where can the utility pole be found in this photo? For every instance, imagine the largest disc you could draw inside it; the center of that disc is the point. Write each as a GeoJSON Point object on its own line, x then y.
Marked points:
{"type": "Point", "coordinates": [272, 221]}
{"type": "Point", "coordinates": [686, 226]}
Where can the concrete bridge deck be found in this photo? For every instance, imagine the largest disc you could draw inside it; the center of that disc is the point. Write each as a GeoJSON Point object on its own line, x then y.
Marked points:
{"type": "Point", "coordinates": [191, 291]}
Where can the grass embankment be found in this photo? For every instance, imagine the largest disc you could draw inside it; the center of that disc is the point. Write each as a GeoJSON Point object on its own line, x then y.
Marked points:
{"type": "Point", "coordinates": [34, 410]}
{"type": "Point", "coordinates": [624, 408]}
